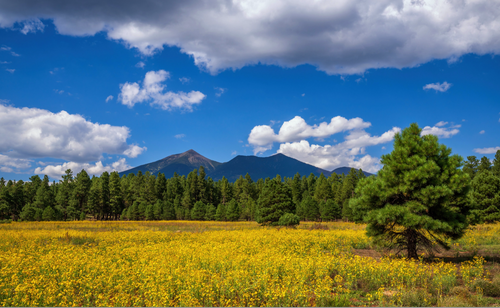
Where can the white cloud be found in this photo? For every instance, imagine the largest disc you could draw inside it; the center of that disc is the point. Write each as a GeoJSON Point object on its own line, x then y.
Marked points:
{"type": "Point", "coordinates": [15, 54]}
{"type": "Point", "coordinates": [4, 62]}
{"type": "Point", "coordinates": [441, 87]}
{"type": "Point", "coordinates": [5, 48]}
{"type": "Point", "coordinates": [220, 91]}
{"type": "Point", "coordinates": [37, 133]}
{"type": "Point", "coordinates": [487, 150]}
{"type": "Point", "coordinates": [152, 91]}
{"type": "Point", "coordinates": [262, 137]}
{"type": "Point", "coordinates": [4, 101]}
{"type": "Point", "coordinates": [293, 134]}
{"type": "Point", "coordinates": [482, 132]}
{"type": "Point", "coordinates": [339, 37]}
{"type": "Point", "coordinates": [109, 98]}
{"type": "Point", "coordinates": [179, 136]}
{"type": "Point", "coordinates": [134, 151]}
{"type": "Point", "coordinates": [303, 94]}
{"type": "Point", "coordinates": [32, 26]}
{"type": "Point", "coordinates": [59, 91]}
{"type": "Point", "coordinates": [56, 171]}
{"type": "Point", "coordinates": [140, 64]}
{"type": "Point", "coordinates": [234, 153]}
{"type": "Point", "coordinates": [441, 131]}
{"type": "Point", "coordinates": [329, 157]}
{"type": "Point", "coordinates": [184, 80]}
{"type": "Point", "coordinates": [10, 164]}
{"type": "Point", "coordinates": [10, 70]}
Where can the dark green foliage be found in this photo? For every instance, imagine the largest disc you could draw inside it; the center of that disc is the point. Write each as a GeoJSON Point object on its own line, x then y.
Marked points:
{"type": "Point", "coordinates": [289, 220]}
{"type": "Point", "coordinates": [308, 208]}
{"type": "Point", "coordinates": [211, 211]}
{"type": "Point", "coordinates": [149, 213]}
{"type": "Point", "coordinates": [486, 197]}
{"type": "Point", "coordinates": [199, 210]}
{"type": "Point", "coordinates": [168, 211]}
{"type": "Point", "coordinates": [28, 212]}
{"type": "Point", "coordinates": [274, 202]}
{"type": "Point", "coordinates": [471, 166]}
{"type": "Point", "coordinates": [484, 165]}
{"type": "Point", "coordinates": [419, 196]}
{"type": "Point", "coordinates": [329, 210]}
{"type": "Point", "coordinates": [220, 214]}
{"type": "Point", "coordinates": [48, 214]}
{"type": "Point", "coordinates": [496, 164]}
{"type": "Point", "coordinates": [233, 211]}
{"type": "Point", "coordinates": [158, 210]}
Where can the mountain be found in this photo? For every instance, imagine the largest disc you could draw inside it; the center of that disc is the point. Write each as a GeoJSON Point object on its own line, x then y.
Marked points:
{"type": "Point", "coordinates": [263, 167]}
{"type": "Point", "coordinates": [182, 163]}
{"type": "Point", "coordinates": [256, 167]}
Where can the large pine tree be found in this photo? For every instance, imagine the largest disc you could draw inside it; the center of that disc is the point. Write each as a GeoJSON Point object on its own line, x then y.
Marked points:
{"type": "Point", "coordinates": [274, 202]}
{"type": "Point", "coordinates": [418, 198]}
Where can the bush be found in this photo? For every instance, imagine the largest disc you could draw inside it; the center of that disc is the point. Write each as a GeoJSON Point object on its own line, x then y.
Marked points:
{"type": "Point", "coordinates": [289, 220]}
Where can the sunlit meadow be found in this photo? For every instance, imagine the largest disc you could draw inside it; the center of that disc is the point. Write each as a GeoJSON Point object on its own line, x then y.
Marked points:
{"type": "Point", "coordinates": [228, 264]}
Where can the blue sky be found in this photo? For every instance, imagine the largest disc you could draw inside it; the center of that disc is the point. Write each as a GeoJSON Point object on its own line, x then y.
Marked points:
{"type": "Point", "coordinates": [109, 88]}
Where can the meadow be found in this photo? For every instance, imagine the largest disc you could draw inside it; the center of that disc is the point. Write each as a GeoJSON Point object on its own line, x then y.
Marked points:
{"type": "Point", "coordinates": [186, 263]}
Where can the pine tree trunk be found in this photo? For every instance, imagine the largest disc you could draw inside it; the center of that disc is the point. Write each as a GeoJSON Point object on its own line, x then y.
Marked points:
{"type": "Point", "coordinates": [411, 242]}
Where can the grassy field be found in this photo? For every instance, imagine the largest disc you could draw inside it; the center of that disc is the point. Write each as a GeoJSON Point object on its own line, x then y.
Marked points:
{"type": "Point", "coordinates": [181, 263]}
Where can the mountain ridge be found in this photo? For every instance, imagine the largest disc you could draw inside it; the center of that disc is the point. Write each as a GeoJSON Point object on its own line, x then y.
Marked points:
{"type": "Point", "coordinates": [256, 167]}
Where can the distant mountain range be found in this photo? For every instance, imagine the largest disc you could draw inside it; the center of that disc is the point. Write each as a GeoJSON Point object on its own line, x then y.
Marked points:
{"type": "Point", "coordinates": [256, 167]}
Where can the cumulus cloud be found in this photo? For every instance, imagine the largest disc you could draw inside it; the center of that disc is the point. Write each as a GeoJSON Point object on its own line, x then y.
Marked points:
{"type": "Point", "coordinates": [56, 171]}
{"type": "Point", "coordinates": [351, 152]}
{"type": "Point", "coordinates": [482, 132]}
{"type": "Point", "coordinates": [441, 131]}
{"type": "Point", "coordinates": [338, 37]}
{"type": "Point", "coordinates": [10, 164]}
{"type": "Point", "coordinates": [152, 90]}
{"type": "Point", "coordinates": [140, 64]}
{"type": "Point", "coordinates": [37, 133]}
{"type": "Point", "coordinates": [487, 150]}
{"type": "Point", "coordinates": [441, 87]}
{"type": "Point", "coordinates": [109, 98]}
{"type": "Point", "coordinates": [262, 137]}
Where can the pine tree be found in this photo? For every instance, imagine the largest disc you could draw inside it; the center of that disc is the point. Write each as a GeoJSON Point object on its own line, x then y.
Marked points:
{"type": "Point", "coordinates": [418, 198]}
{"type": "Point", "coordinates": [158, 210]}
{"type": "Point", "coordinates": [471, 166]}
{"type": "Point", "coordinates": [48, 214]}
{"type": "Point", "coordinates": [220, 214]}
{"type": "Point", "coordinates": [210, 213]}
{"type": "Point", "coordinates": [105, 196]}
{"type": "Point", "coordinates": [149, 213]}
{"type": "Point", "coordinates": [274, 202]}
{"type": "Point", "coordinates": [115, 194]}
{"type": "Point", "coordinates": [486, 196]}
{"type": "Point", "coordinates": [168, 212]}
{"type": "Point", "coordinates": [233, 210]}
{"type": "Point", "coordinates": [329, 210]}
{"type": "Point", "coordinates": [495, 169]}
{"type": "Point", "coordinates": [484, 165]}
{"type": "Point", "coordinates": [199, 210]}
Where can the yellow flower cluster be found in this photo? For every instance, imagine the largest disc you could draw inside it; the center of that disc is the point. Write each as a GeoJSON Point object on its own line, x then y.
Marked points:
{"type": "Point", "coordinates": [122, 264]}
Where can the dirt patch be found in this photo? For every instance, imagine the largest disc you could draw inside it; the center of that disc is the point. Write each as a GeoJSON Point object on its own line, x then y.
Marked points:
{"type": "Point", "coordinates": [371, 253]}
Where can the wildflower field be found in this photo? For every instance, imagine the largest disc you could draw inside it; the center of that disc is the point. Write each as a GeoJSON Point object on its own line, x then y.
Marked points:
{"type": "Point", "coordinates": [176, 263]}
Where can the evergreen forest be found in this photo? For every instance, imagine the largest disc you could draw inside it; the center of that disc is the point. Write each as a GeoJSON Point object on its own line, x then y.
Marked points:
{"type": "Point", "coordinates": [198, 197]}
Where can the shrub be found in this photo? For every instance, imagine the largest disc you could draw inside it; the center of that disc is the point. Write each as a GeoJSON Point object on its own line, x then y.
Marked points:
{"type": "Point", "coordinates": [289, 220]}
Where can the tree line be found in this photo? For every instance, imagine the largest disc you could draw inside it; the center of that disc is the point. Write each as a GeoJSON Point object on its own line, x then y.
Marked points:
{"type": "Point", "coordinates": [192, 197]}
{"type": "Point", "coordinates": [198, 197]}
